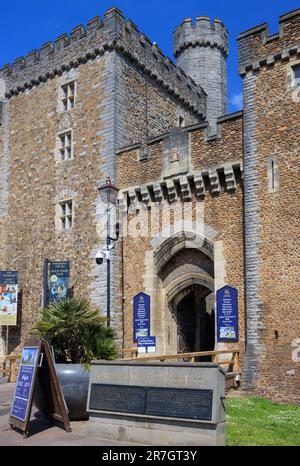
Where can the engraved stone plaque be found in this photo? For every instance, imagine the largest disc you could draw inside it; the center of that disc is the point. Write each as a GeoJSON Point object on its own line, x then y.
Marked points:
{"type": "Point", "coordinates": [163, 402]}
{"type": "Point", "coordinates": [117, 398]}
{"type": "Point", "coordinates": [180, 403]}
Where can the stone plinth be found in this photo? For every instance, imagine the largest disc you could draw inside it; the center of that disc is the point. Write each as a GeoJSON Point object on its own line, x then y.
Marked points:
{"type": "Point", "coordinates": [199, 419]}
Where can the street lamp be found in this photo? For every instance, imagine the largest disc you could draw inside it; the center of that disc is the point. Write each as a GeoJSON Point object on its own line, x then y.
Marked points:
{"type": "Point", "coordinates": [109, 194]}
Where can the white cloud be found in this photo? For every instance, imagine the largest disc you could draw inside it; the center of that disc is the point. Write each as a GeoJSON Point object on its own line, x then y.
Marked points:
{"type": "Point", "coordinates": [237, 100]}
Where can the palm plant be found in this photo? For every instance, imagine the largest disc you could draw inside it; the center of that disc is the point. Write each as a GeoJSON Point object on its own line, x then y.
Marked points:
{"type": "Point", "coordinates": [76, 331]}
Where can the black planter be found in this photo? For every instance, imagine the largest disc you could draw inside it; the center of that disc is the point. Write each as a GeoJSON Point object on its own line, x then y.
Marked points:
{"type": "Point", "coordinates": [74, 382]}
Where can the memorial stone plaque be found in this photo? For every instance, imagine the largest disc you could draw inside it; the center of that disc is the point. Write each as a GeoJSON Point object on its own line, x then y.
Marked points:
{"type": "Point", "coordinates": [117, 398]}
{"type": "Point", "coordinates": [180, 403]}
{"type": "Point", "coordinates": [163, 402]}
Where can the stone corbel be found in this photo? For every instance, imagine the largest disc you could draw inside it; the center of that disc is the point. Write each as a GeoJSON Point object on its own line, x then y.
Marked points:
{"type": "Point", "coordinates": [123, 202]}
{"type": "Point", "coordinates": [199, 185]}
{"type": "Point", "coordinates": [229, 179]}
{"type": "Point", "coordinates": [171, 191]}
{"type": "Point", "coordinates": [185, 188]}
{"type": "Point", "coordinates": [214, 181]}
{"type": "Point", "coordinates": [145, 195]}
{"type": "Point", "coordinates": [133, 201]}
{"type": "Point", "coordinates": [158, 193]}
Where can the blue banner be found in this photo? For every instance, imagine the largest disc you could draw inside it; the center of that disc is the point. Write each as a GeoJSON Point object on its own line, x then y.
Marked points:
{"type": "Point", "coordinates": [24, 385]}
{"type": "Point", "coordinates": [59, 281]}
{"type": "Point", "coordinates": [141, 316]}
{"type": "Point", "coordinates": [227, 314]}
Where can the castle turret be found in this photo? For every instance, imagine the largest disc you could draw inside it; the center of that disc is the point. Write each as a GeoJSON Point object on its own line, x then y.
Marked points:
{"type": "Point", "coordinates": [201, 50]}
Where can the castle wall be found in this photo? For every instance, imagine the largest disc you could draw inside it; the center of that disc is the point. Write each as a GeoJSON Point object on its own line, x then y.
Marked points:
{"type": "Point", "coordinates": [118, 101]}
{"type": "Point", "coordinates": [222, 215]}
{"type": "Point", "coordinates": [36, 182]}
{"type": "Point", "coordinates": [271, 134]}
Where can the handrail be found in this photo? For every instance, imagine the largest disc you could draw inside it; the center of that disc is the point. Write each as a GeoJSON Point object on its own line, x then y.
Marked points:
{"type": "Point", "coordinates": [233, 363]}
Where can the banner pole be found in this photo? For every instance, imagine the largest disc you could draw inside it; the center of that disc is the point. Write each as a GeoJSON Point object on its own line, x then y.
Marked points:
{"type": "Point", "coordinates": [45, 284]}
{"type": "Point", "coordinates": [6, 340]}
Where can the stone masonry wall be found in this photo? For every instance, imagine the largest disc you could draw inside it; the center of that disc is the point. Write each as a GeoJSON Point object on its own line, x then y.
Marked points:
{"type": "Point", "coordinates": [37, 182]}
{"type": "Point", "coordinates": [272, 225]}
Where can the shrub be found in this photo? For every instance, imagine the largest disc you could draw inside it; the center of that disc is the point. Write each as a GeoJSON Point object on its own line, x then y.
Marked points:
{"type": "Point", "coordinates": [76, 331]}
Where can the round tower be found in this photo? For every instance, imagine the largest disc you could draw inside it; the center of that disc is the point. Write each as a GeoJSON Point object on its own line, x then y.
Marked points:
{"type": "Point", "coordinates": [201, 50]}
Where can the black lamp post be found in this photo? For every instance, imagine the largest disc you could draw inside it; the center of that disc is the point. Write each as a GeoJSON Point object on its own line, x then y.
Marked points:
{"type": "Point", "coordinates": [109, 195]}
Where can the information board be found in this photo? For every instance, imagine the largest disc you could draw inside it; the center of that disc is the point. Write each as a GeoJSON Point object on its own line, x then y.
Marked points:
{"type": "Point", "coordinates": [227, 314]}
{"type": "Point", "coordinates": [8, 298]}
{"type": "Point", "coordinates": [146, 344]}
{"type": "Point", "coordinates": [141, 316]}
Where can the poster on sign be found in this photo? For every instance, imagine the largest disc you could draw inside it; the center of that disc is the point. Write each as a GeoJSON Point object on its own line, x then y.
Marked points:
{"type": "Point", "coordinates": [59, 280]}
{"type": "Point", "coordinates": [227, 314]}
{"type": "Point", "coordinates": [8, 298]}
{"type": "Point", "coordinates": [141, 316]}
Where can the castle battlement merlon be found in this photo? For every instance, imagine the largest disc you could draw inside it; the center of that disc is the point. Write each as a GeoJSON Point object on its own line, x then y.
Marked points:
{"type": "Point", "coordinates": [259, 48]}
{"type": "Point", "coordinates": [202, 32]}
{"type": "Point", "coordinates": [83, 44]}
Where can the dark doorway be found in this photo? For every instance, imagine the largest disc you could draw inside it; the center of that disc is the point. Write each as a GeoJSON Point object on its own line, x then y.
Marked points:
{"type": "Point", "coordinates": [196, 321]}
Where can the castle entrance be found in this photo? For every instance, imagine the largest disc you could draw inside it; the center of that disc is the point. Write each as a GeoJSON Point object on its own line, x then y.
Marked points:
{"type": "Point", "coordinates": [195, 318]}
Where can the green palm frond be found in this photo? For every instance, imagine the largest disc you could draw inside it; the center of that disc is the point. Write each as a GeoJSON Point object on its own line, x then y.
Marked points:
{"type": "Point", "coordinates": [76, 331]}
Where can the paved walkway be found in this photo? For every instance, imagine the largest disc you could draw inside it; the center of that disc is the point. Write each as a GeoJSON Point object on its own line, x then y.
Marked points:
{"type": "Point", "coordinates": [42, 433]}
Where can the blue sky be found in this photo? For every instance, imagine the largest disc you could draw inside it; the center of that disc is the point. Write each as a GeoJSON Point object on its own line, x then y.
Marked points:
{"type": "Point", "coordinates": [27, 25]}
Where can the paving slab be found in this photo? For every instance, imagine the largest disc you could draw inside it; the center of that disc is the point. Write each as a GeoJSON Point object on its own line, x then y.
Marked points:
{"type": "Point", "coordinates": [42, 432]}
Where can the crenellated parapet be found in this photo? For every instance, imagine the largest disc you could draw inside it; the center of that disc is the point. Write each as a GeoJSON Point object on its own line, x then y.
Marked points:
{"type": "Point", "coordinates": [258, 48]}
{"type": "Point", "coordinates": [113, 33]}
{"type": "Point", "coordinates": [202, 33]}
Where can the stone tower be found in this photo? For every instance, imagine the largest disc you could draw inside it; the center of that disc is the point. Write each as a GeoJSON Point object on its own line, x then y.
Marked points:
{"type": "Point", "coordinates": [201, 50]}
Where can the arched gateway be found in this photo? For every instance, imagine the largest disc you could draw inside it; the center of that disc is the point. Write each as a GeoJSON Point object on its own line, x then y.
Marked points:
{"type": "Point", "coordinates": [185, 270]}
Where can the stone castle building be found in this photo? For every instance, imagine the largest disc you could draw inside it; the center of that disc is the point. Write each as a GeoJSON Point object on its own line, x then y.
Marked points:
{"type": "Point", "coordinates": [206, 198]}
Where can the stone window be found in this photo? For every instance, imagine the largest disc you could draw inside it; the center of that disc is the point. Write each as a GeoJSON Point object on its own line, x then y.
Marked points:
{"type": "Point", "coordinates": [66, 214]}
{"type": "Point", "coordinates": [296, 71]}
{"type": "Point", "coordinates": [68, 93]}
{"type": "Point", "coordinates": [65, 146]}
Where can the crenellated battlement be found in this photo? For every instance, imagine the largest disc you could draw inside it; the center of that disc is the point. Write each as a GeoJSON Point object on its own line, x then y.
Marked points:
{"type": "Point", "coordinates": [257, 47]}
{"type": "Point", "coordinates": [114, 32]}
{"type": "Point", "coordinates": [203, 33]}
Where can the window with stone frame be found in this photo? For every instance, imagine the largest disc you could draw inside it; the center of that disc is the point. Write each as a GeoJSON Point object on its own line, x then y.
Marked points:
{"type": "Point", "coordinates": [65, 146]}
{"type": "Point", "coordinates": [296, 70]}
{"type": "Point", "coordinates": [68, 93]}
{"type": "Point", "coordinates": [66, 214]}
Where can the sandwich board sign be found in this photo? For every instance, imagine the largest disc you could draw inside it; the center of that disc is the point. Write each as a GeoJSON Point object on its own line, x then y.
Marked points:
{"type": "Point", "coordinates": [37, 366]}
